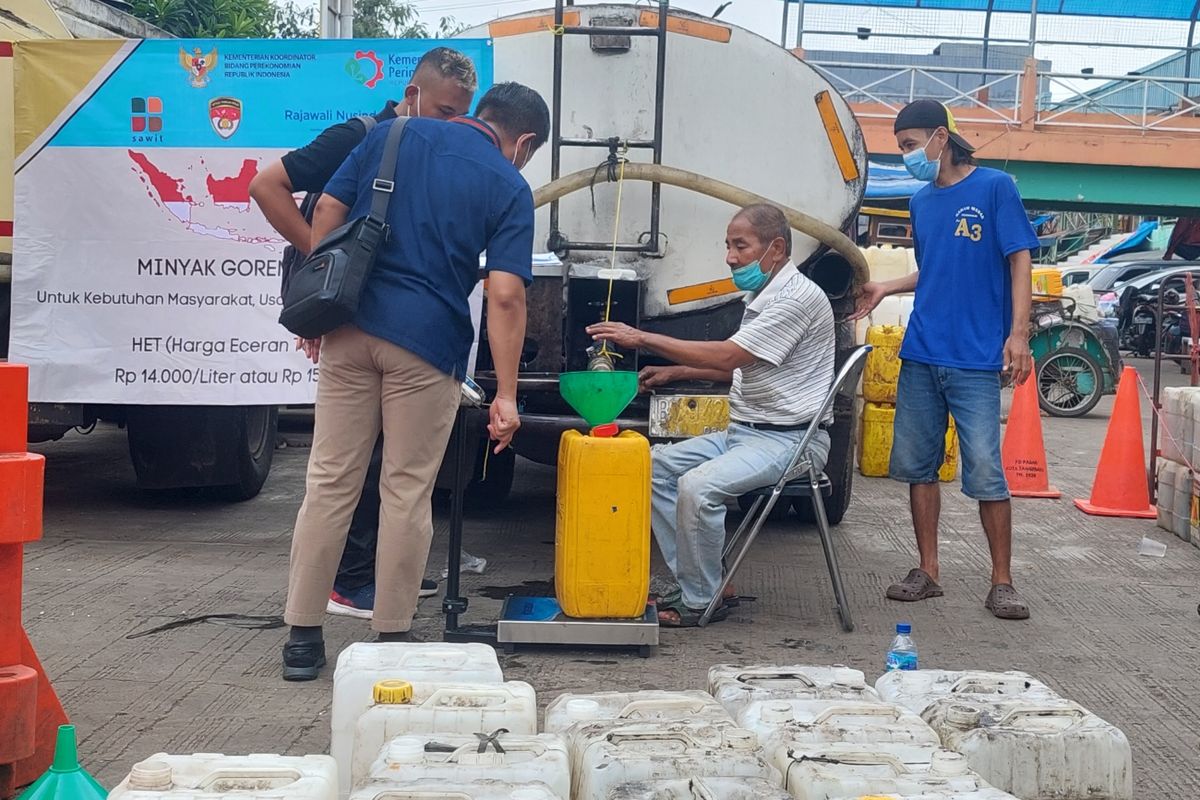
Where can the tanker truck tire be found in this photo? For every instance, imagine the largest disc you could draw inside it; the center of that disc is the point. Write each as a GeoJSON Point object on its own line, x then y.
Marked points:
{"type": "Point", "coordinates": [225, 450]}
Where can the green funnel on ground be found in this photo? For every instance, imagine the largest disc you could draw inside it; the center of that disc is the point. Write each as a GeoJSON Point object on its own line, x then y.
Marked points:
{"type": "Point", "coordinates": [598, 396]}
{"type": "Point", "coordinates": [65, 780]}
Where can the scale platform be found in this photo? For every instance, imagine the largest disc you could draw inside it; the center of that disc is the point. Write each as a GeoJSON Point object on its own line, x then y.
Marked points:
{"type": "Point", "coordinates": [541, 621]}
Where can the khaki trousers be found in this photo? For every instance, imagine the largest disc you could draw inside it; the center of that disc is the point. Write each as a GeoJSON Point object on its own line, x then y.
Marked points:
{"type": "Point", "coordinates": [365, 383]}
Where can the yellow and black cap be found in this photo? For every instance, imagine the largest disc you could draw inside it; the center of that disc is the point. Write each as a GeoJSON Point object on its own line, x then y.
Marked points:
{"type": "Point", "coordinates": [928, 114]}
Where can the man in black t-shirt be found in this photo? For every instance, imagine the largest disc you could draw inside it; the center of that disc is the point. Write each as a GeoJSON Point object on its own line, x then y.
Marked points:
{"type": "Point", "coordinates": [442, 87]}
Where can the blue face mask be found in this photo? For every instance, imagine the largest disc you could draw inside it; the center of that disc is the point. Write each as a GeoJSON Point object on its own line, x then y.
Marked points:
{"type": "Point", "coordinates": [751, 277]}
{"type": "Point", "coordinates": [920, 166]}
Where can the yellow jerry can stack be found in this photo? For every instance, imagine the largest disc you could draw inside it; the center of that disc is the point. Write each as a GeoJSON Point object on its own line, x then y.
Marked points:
{"type": "Point", "coordinates": [880, 377]}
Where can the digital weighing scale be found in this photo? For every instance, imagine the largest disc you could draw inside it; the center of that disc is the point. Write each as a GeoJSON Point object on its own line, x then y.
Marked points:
{"type": "Point", "coordinates": [540, 621]}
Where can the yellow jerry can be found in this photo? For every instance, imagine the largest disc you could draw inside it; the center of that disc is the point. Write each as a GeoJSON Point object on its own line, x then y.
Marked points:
{"type": "Point", "coordinates": [882, 370]}
{"type": "Point", "coordinates": [602, 541]}
{"type": "Point", "coordinates": [1047, 280]}
{"type": "Point", "coordinates": [875, 443]}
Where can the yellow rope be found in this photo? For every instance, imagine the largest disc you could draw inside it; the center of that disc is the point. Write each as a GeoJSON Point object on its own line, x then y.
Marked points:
{"type": "Point", "coordinates": [612, 263]}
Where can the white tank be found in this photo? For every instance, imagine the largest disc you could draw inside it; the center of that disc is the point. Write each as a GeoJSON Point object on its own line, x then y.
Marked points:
{"type": "Point", "coordinates": [1181, 516]}
{"type": "Point", "coordinates": [445, 790]}
{"type": "Point", "coordinates": [610, 93]}
{"type": "Point", "coordinates": [1166, 473]}
{"type": "Point", "coordinates": [212, 776]}
{"type": "Point", "coordinates": [700, 789]}
{"type": "Point", "coordinates": [512, 759]}
{"type": "Point", "coordinates": [736, 687]}
{"type": "Point", "coordinates": [1038, 750]}
{"type": "Point", "coordinates": [569, 710]}
{"type": "Point", "coordinates": [468, 709]}
{"type": "Point", "coordinates": [651, 751]}
{"type": "Point", "coordinates": [849, 772]}
{"type": "Point", "coordinates": [827, 722]}
{"type": "Point", "coordinates": [1175, 408]}
{"type": "Point", "coordinates": [916, 690]}
{"type": "Point", "coordinates": [1191, 424]}
{"type": "Point", "coordinates": [423, 665]}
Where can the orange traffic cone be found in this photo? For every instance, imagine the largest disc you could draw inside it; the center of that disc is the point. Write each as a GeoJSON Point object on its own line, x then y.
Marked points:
{"type": "Point", "coordinates": [1024, 452]}
{"type": "Point", "coordinates": [1120, 488]}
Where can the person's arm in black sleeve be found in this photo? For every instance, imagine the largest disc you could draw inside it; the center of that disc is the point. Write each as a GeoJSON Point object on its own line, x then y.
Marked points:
{"type": "Point", "coordinates": [305, 170]}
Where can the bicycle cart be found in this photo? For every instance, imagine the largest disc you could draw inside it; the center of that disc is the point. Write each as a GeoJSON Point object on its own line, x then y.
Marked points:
{"type": "Point", "coordinates": [1077, 360]}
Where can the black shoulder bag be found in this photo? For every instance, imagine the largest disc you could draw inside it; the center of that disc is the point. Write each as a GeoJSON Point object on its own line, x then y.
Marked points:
{"type": "Point", "coordinates": [291, 259]}
{"type": "Point", "coordinates": [323, 294]}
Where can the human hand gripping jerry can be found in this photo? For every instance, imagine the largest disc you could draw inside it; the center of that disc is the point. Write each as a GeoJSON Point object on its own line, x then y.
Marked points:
{"type": "Point", "coordinates": [602, 541]}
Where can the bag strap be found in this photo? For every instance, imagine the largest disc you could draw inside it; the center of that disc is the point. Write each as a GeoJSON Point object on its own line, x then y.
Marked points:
{"type": "Point", "coordinates": [385, 181]}
{"type": "Point", "coordinates": [368, 122]}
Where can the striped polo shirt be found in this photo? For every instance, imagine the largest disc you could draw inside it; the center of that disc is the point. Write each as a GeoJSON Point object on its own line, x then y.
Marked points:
{"type": "Point", "coordinates": [788, 328]}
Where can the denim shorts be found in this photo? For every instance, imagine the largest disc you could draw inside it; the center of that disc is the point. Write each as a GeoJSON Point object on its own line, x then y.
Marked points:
{"type": "Point", "coordinates": [924, 396]}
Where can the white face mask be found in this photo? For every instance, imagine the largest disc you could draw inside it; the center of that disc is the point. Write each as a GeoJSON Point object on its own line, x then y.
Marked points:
{"type": "Point", "coordinates": [408, 108]}
{"type": "Point", "coordinates": [516, 155]}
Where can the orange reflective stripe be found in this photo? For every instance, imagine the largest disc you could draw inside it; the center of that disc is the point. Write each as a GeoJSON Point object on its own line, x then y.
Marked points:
{"type": "Point", "coordinates": [701, 291]}
{"type": "Point", "coordinates": [837, 136]}
{"type": "Point", "coordinates": [515, 27]}
{"type": "Point", "coordinates": [688, 27]}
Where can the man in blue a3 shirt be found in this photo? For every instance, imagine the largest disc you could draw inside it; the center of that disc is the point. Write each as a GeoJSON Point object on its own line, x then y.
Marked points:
{"type": "Point", "coordinates": [967, 335]}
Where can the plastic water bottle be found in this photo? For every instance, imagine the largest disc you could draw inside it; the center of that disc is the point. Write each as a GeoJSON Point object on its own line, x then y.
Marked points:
{"type": "Point", "coordinates": [903, 652]}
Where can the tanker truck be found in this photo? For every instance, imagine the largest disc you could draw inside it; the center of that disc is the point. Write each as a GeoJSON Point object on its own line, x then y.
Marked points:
{"type": "Point", "coordinates": [663, 123]}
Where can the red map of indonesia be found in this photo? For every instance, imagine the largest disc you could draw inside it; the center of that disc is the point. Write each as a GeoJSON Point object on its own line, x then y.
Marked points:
{"type": "Point", "coordinates": [205, 203]}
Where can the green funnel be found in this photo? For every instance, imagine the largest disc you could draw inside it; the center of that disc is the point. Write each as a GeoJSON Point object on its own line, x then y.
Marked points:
{"type": "Point", "coordinates": [65, 780]}
{"type": "Point", "coordinates": [598, 397]}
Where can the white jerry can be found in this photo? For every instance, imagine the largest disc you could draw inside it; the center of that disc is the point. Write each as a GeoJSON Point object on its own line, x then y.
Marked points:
{"type": "Point", "coordinates": [212, 776]}
{"type": "Point", "coordinates": [399, 710]}
{"type": "Point", "coordinates": [1166, 473]}
{"type": "Point", "coordinates": [1176, 407]}
{"type": "Point", "coordinates": [827, 722]}
{"type": "Point", "coordinates": [517, 760]}
{"type": "Point", "coordinates": [423, 665]}
{"type": "Point", "coordinates": [569, 710]}
{"type": "Point", "coordinates": [850, 772]}
{"type": "Point", "coordinates": [1038, 750]}
{"type": "Point", "coordinates": [653, 751]}
{"type": "Point", "coordinates": [444, 790]}
{"type": "Point", "coordinates": [918, 689]}
{"type": "Point", "coordinates": [701, 789]}
{"type": "Point", "coordinates": [736, 687]}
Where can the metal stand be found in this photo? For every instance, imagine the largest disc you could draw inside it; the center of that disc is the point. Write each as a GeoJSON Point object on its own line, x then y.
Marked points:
{"type": "Point", "coordinates": [454, 605]}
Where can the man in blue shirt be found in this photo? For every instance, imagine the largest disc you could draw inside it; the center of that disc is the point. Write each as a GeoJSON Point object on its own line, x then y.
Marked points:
{"type": "Point", "coordinates": [457, 192]}
{"type": "Point", "coordinates": [968, 334]}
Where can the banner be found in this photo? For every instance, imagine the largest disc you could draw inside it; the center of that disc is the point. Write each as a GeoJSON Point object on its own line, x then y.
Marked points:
{"type": "Point", "coordinates": [142, 272]}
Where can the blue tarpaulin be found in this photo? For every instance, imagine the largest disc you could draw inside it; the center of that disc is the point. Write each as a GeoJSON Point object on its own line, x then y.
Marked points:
{"type": "Point", "coordinates": [1130, 243]}
{"type": "Point", "coordinates": [1134, 9]}
{"type": "Point", "coordinates": [890, 182]}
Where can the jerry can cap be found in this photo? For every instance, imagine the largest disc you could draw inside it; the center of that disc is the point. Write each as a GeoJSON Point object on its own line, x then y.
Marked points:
{"type": "Point", "coordinates": [606, 430]}
{"type": "Point", "coordinates": [393, 692]}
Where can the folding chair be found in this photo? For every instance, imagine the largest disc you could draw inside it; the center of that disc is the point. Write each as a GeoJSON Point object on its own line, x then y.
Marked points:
{"type": "Point", "coordinates": [800, 479]}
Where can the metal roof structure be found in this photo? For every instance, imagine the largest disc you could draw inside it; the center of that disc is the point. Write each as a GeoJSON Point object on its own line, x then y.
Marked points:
{"type": "Point", "coordinates": [1128, 9]}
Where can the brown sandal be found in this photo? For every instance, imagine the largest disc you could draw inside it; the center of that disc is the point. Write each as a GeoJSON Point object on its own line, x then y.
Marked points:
{"type": "Point", "coordinates": [916, 586]}
{"type": "Point", "coordinates": [1004, 603]}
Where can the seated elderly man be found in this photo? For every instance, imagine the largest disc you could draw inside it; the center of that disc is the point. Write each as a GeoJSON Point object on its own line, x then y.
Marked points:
{"type": "Point", "coordinates": [780, 364]}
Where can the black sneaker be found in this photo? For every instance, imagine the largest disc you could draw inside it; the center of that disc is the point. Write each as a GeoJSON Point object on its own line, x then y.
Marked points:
{"type": "Point", "coordinates": [428, 588]}
{"type": "Point", "coordinates": [302, 661]}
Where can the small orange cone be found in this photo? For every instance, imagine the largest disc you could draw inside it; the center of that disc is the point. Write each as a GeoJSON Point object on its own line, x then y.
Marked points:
{"type": "Point", "coordinates": [1024, 452]}
{"type": "Point", "coordinates": [1120, 488]}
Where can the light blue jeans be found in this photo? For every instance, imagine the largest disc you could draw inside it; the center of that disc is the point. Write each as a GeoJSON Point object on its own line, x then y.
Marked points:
{"type": "Point", "coordinates": [693, 479]}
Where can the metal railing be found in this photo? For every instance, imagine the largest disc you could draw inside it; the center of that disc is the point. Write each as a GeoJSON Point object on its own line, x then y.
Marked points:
{"type": "Point", "coordinates": [925, 77]}
{"type": "Point", "coordinates": [1156, 102]}
{"type": "Point", "coordinates": [1015, 97]}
